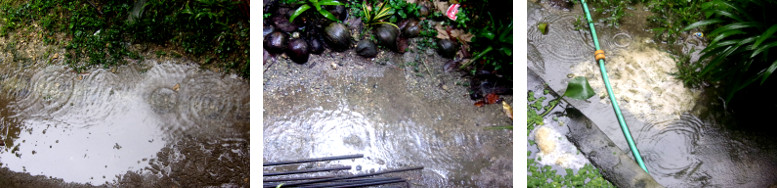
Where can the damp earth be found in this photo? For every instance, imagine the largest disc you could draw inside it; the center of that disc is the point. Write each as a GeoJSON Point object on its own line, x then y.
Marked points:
{"type": "Point", "coordinates": [154, 122]}
{"type": "Point", "coordinates": [396, 114]}
{"type": "Point", "coordinates": [680, 132]}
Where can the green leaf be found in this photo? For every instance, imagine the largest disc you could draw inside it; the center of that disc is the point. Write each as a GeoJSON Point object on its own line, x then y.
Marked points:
{"type": "Point", "coordinates": [702, 23]}
{"type": "Point", "coordinates": [330, 2]}
{"type": "Point", "coordinates": [327, 15]}
{"type": "Point", "coordinates": [763, 48]}
{"type": "Point", "coordinates": [487, 34]}
{"type": "Point", "coordinates": [768, 72]}
{"type": "Point", "coordinates": [734, 26]}
{"type": "Point", "coordinates": [543, 27]}
{"type": "Point", "coordinates": [299, 11]}
{"type": "Point", "coordinates": [726, 34]}
{"type": "Point", "coordinates": [578, 88]}
{"type": "Point", "coordinates": [766, 35]}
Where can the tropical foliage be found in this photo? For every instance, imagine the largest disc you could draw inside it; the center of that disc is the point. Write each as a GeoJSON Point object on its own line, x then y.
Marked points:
{"type": "Point", "coordinates": [316, 4]}
{"type": "Point", "coordinates": [742, 38]}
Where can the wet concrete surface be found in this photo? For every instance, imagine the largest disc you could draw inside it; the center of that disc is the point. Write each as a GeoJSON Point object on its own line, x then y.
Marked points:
{"type": "Point", "coordinates": [148, 123]}
{"type": "Point", "coordinates": [395, 113]}
{"type": "Point", "coordinates": [679, 132]}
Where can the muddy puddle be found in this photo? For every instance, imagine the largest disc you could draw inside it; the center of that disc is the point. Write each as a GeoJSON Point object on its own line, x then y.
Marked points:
{"type": "Point", "coordinates": [149, 123]}
{"type": "Point", "coordinates": [678, 131]}
{"type": "Point", "coordinates": [394, 113]}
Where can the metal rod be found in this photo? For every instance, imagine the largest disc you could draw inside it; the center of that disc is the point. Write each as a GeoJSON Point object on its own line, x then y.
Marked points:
{"type": "Point", "coordinates": [314, 160]}
{"type": "Point", "coordinates": [354, 176]}
{"type": "Point", "coordinates": [362, 184]}
{"type": "Point", "coordinates": [307, 171]}
{"type": "Point", "coordinates": [296, 179]}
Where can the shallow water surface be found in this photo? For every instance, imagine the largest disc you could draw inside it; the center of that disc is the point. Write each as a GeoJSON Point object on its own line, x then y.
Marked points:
{"type": "Point", "coordinates": [394, 117]}
{"type": "Point", "coordinates": [677, 130]}
{"type": "Point", "coordinates": [138, 123]}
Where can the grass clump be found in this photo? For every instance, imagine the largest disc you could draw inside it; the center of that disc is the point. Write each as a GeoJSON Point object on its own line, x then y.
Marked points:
{"type": "Point", "coordinates": [742, 38]}
{"type": "Point", "coordinates": [98, 33]}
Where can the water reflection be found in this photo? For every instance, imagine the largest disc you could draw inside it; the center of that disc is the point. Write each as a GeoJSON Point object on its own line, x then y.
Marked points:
{"type": "Point", "coordinates": [95, 126]}
{"type": "Point", "coordinates": [393, 118]}
{"type": "Point", "coordinates": [680, 149]}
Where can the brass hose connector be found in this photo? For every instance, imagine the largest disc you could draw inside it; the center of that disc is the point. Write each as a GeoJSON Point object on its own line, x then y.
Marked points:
{"type": "Point", "coordinates": [599, 54]}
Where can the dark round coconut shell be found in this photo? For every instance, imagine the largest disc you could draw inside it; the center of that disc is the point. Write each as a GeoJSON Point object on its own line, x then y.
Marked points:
{"type": "Point", "coordinates": [316, 46]}
{"type": "Point", "coordinates": [410, 28]}
{"type": "Point", "coordinates": [338, 37]}
{"type": "Point", "coordinates": [299, 50]}
{"type": "Point", "coordinates": [366, 48]}
{"type": "Point", "coordinates": [447, 48]}
{"type": "Point", "coordinates": [276, 42]}
{"type": "Point", "coordinates": [387, 35]}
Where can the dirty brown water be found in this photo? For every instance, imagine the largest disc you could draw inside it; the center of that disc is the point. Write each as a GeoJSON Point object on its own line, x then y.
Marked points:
{"type": "Point", "coordinates": [149, 123]}
{"type": "Point", "coordinates": [341, 103]}
{"type": "Point", "coordinates": [677, 130]}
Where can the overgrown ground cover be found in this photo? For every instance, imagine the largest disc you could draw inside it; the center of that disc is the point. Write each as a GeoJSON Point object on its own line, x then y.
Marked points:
{"type": "Point", "coordinates": [477, 39]}
{"type": "Point", "coordinates": [214, 33]}
{"type": "Point", "coordinates": [538, 107]}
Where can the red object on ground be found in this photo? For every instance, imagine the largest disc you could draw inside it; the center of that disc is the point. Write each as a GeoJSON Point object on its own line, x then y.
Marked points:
{"type": "Point", "coordinates": [491, 98]}
{"type": "Point", "coordinates": [452, 10]}
{"type": "Point", "coordinates": [480, 103]}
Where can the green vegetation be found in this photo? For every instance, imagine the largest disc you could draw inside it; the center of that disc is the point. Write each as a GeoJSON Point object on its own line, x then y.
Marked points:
{"type": "Point", "coordinates": [496, 37]}
{"type": "Point", "coordinates": [667, 21]}
{"type": "Point", "coordinates": [742, 38]}
{"type": "Point", "coordinates": [307, 4]}
{"type": "Point", "coordinates": [100, 32]}
{"type": "Point", "coordinates": [545, 176]}
{"type": "Point", "coordinates": [611, 11]}
{"type": "Point", "coordinates": [670, 17]}
{"type": "Point", "coordinates": [377, 14]}
{"type": "Point", "coordinates": [687, 70]}
{"type": "Point", "coordinates": [578, 88]}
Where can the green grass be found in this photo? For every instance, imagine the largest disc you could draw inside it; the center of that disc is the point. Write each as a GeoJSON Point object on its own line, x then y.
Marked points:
{"type": "Point", "coordinates": [98, 33]}
{"type": "Point", "coordinates": [742, 37]}
{"type": "Point", "coordinates": [544, 176]}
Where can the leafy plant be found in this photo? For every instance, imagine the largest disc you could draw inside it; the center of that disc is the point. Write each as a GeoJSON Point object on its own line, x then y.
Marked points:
{"type": "Point", "coordinates": [741, 42]}
{"type": "Point", "coordinates": [493, 38]}
{"type": "Point", "coordinates": [669, 17]}
{"type": "Point", "coordinates": [317, 5]}
{"type": "Point", "coordinates": [376, 16]}
{"type": "Point", "coordinates": [687, 70]}
{"type": "Point", "coordinates": [98, 33]}
{"type": "Point", "coordinates": [611, 11]}
{"type": "Point", "coordinates": [545, 176]}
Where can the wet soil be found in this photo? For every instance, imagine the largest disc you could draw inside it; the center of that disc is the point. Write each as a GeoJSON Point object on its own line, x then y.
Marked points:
{"type": "Point", "coordinates": [680, 132]}
{"type": "Point", "coordinates": [392, 110]}
{"type": "Point", "coordinates": [160, 121]}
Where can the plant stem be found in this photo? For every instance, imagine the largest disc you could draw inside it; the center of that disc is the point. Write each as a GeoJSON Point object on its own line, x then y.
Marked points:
{"type": "Point", "coordinates": [552, 107]}
{"type": "Point", "coordinates": [480, 55]}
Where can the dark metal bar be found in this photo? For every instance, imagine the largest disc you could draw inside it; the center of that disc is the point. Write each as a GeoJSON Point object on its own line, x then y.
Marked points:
{"type": "Point", "coordinates": [370, 183]}
{"type": "Point", "coordinates": [314, 160]}
{"type": "Point", "coordinates": [354, 176]}
{"type": "Point", "coordinates": [361, 181]}
{"type": "Point", "coordinates": [306, 171]}
{"type": "Point", "coordinates": [296, 179]}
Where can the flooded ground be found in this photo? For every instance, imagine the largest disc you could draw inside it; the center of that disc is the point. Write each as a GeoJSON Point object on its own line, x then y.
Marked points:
{"type": "Point", "coordinates": [677, 130]}
{"type": "Point", "coordinates": [149, 123]}
{"type": "Point", "coordinates": [384, 108]}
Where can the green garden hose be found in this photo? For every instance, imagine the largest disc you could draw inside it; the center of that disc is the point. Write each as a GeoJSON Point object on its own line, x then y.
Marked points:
{"type": "Point", "coordinates": [599, 54]}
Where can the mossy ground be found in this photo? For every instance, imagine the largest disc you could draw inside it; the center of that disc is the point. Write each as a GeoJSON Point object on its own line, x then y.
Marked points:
{"type": "Point", "coordinates": [104, 33]}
